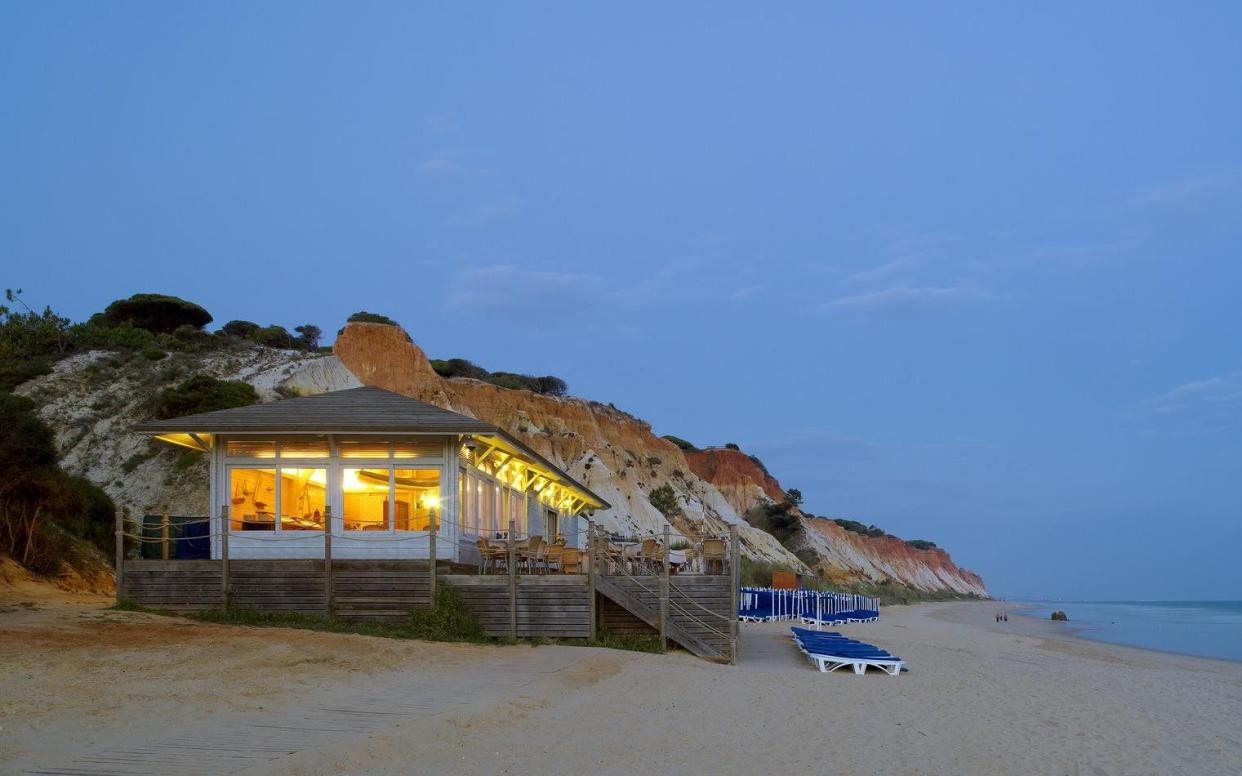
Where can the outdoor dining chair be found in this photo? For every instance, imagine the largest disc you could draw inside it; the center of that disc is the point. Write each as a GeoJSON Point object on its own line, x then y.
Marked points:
{"type": "Point", "coordinates": [713, 550]}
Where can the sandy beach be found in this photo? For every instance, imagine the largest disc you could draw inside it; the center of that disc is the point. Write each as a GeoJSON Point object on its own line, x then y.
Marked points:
{"type": "Point", "coordinates": [87, 690]}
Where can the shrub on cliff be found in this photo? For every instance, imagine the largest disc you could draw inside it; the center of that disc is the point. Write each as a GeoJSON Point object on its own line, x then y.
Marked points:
{"type": "Point", "coordinates": [157, 313]}
{"type": "Point", "coordinates": [460, 367]}
{"type": "Point", "coordinates": [29, 341]}
{"type": "Point", "coordinates": [683, 444]}
{"type": "Point", "coordinates": [204, 393]}
{"type": "Point", "coordinates": [240, 329]}
{"type": "Point", "coordinates": [664, 499]}
{"type": "Point", "coordinates": [854, 526]}
{"type": "Point", "coordinates": [273, 337]}
{"type": "Point", "coordinates": [362, 316]}
{"type": "Point", "coordinates": [732, 446]}
{"type": "Point", "coordinates": [921, 544]}
{"type": "Point", "coordinates": [42, 509]}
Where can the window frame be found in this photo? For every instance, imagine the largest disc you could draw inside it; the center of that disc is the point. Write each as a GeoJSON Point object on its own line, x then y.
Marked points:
{"type": "Point", "coordinates": [334, 465]}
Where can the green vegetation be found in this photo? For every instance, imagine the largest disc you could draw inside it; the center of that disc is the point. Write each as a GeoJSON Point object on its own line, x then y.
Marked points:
{"type": "Point", "coordinates": [781, 520]}
{"type": "Point", "coordinates": [29, 341]}
{"type": "Point", "coordinates": [921, 544]}
{"type": "Point", "coordinates": [45, 514]}
{"type": "Point", "coordinates": [307, 337]}
{"type": "Point", "coordinates": [203, 393]}
{"type": "Point", "coordinates": [362, 316]}
{"type": "Point", "coordinates": [629, 643]}
{"type": "Point", "coordinates": [156, 313]}
{"type": "Point", "coordinates": [664, 499]}
{"type": "Point", "coordinates": [152, 325]}
{"type": "Point", "coordinates": [460, 367]}
{"type": "Point", "coordinates": [732, 446]}
{"type": "Point", "coordinates": [683, 444]}
{"type": "Point", "coordinates": [854, 526]}
{"type": "Point", "coordinates": [758, 573]}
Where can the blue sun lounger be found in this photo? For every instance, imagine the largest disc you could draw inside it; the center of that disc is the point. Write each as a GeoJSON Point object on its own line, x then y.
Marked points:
{"type": "Point", "coordinates": [830, 651]}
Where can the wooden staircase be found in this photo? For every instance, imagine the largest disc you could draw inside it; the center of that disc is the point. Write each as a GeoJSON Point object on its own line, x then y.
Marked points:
{"type": "Point", "coordinates": [699, 613]}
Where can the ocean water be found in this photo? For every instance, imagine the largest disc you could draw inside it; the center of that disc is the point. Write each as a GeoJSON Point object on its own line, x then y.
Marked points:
{"type": "Point", "coordinates": [1204, 628]}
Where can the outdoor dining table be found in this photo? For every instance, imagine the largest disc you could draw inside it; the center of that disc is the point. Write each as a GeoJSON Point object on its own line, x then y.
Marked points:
{"type": "Point", "coordinates": [631, 552]}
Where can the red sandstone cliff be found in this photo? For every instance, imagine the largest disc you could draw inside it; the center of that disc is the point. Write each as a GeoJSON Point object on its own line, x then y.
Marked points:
{"type": "Point", "coordinates": [620, 458]}
{"type": "Point", "coordinates": [742, 481]}
{"type": "Point", "coordinates": [840, 555]}
{"type": "Point", "coordinates": [612, 453]}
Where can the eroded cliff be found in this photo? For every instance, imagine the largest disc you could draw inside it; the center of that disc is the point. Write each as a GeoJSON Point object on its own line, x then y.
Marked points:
{"type": "Point", "coordinates": [836, 554]}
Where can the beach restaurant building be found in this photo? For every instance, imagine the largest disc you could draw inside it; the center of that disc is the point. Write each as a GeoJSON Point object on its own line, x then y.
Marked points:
{"type": "Point", "coordinates": [375, 469]}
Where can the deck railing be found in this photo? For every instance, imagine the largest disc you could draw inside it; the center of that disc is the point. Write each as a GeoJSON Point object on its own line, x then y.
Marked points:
{"type": "Point", "coordinates": [692, 579]}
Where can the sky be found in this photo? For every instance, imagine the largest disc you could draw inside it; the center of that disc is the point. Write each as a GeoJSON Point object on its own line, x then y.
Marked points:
{"type": "Point", "coordinates": [966, 271]}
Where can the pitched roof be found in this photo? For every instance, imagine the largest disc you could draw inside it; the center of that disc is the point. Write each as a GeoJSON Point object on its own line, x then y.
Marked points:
{"type": "Point", "coordinates": [355, 409]}
{"type": "Point", "coordinates": [366, 409]}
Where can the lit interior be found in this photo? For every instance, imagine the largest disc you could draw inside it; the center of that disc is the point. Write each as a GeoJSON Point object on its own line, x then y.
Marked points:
{"type": "Point", "coordinates": [368, 492]}
{"type": "Point", "coordinates": [253, 497]}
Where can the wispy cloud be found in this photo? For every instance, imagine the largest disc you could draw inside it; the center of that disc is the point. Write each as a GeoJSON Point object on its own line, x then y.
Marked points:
{"type": "Point", "coordinates": [531, 297]}
{"type": "Point", "coordinates": [449, 164]}
{"type": "Point", "coordinates": [908, 301]}
{"type": "Point", "coordinates": [902, 265]}
{"type": "Point", "coordinates": [1186, 188]}
{"type": "Point", "coordinates": [1213, 395]}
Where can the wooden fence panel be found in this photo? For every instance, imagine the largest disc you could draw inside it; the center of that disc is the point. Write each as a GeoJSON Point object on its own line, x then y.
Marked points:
{"type": "Point", "coordinates": [554, 606]}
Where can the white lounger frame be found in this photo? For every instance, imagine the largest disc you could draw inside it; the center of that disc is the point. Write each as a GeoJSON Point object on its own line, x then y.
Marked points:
{"type": "Point", "coordinates": [829, 663]}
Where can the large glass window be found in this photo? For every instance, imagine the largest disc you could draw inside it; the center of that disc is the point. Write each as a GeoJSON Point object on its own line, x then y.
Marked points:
{"type": "Point", "coordinates": [415, 493]}
{"type": "Point", "coordinates": [303, 499]}
{"type": "Point", "coordinates": [252, 499]}
{"type": "Point", "coordinates": [365, 493]}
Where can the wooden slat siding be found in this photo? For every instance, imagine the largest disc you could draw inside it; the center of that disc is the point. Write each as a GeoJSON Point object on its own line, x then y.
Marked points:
{"type": "Point", "coordinates": [552, 606]}
{"type": "Point", "coordinates": [616, 620]}
{"type": "Point", "coordinates": [380, 590]}
{"type": "Point", "coordinates": [365, 590]}
{"type": "Point", "coordinates": [177, 585]}
{"type": "Point", "coordinates": [289, 586]}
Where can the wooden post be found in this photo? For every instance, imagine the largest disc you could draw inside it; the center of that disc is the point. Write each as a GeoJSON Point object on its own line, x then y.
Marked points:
{"type": "Point", "coordinates": [224, 557]}
{"type": "Point", "coordinates": [591, 579]}
{"type": "Point", "coordinates": [120, 555]}
{"type": "Point", "coordinates": [164, 537]}
{"type": "Point", "coordinates": [433, 527]}
{"type": "Point", "coordinates": [511, 564]}
{"type": "Point", "coordinates": [735, 579]}
{"type": "Point", "coordinates": [329, 596]}
{"type": "Point", "coordinates": [664, 593]}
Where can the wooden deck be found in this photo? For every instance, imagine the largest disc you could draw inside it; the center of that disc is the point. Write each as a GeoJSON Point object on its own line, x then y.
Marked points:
{"type": "Point", "coordinates": [361, 589]}
{"type": "Point", "coordinates": [699, 609]}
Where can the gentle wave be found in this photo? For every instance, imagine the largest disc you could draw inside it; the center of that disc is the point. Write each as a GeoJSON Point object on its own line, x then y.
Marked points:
{"type": "Point", "coordinates": [1203, 628]}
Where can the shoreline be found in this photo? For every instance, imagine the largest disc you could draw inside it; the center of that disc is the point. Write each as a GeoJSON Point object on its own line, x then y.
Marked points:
{"type": "Point", "coordinates": [1069, 629]}
{"type": "Point", "coordinates": [1022, 624]}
